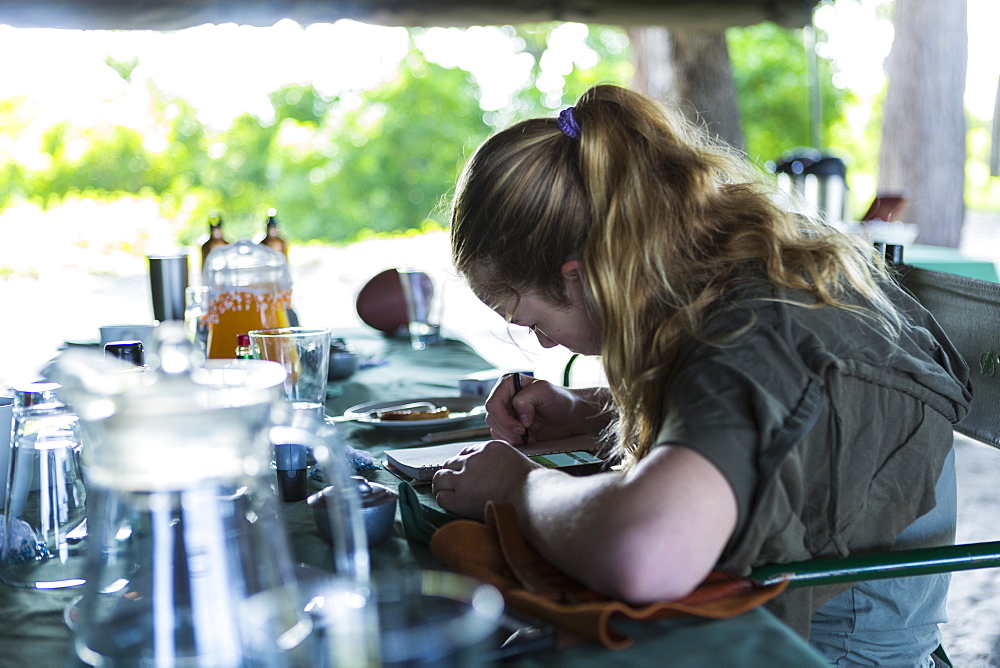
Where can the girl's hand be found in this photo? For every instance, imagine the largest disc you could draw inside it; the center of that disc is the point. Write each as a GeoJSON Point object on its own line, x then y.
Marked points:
{"type": "Point", "coordinates": [543, 411]}
{"type": "Point", "coordinates": [490, 471]}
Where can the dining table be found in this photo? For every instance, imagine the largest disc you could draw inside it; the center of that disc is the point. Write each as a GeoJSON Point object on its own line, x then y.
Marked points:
{"type": "Point", "coordinates": [33, 631]}
{"type": "Point", "coordinates": [951, 261]}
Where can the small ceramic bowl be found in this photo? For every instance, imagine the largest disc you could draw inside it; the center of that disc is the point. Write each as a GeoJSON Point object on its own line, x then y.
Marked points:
{"type": "Point", "coordinates": [378, 510]}
{"type": "Point", "coordinates": [343, 361]}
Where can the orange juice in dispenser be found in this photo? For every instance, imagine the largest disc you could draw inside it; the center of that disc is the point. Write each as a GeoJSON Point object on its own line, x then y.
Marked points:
{"type": "Point", "coordinates": [250, 287]}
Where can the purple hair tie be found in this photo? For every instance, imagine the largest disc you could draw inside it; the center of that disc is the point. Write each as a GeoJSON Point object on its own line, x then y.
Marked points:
{"type": "Point", "coordinates": [567, 123]}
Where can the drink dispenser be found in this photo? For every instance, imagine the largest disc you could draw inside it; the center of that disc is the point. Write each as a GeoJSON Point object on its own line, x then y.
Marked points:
{"type": "Point", "coordinates": [250, 287]}
{"type": "Point", "coordinates": [187, 561]}
{"type": "Point", "coordinates": [819, 179]}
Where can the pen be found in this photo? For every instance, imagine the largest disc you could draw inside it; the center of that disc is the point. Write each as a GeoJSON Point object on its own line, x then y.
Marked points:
{"type": "Point", "coordinates": [517, 388]}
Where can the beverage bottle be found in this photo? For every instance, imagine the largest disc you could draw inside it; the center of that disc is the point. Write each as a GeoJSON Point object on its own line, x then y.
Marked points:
{"type": "Point", "coordinates": [272, 237]}
{"type": "Point", "coordinates": [243, 350]}
{"type": "Point", "coordinates": [215, 238]}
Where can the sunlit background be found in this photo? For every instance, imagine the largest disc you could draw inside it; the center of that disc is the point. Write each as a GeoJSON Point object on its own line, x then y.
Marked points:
{"type": "Point", "coordinates": [353, 131]}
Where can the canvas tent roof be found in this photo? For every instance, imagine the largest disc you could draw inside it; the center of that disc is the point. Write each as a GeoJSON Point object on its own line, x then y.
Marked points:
{"type": "Point", "coordinates": [178, 14]}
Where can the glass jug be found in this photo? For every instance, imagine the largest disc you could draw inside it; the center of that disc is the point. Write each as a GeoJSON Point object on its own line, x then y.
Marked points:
{"type": "Point", "coordinates": [187, 561]}
{"type": "Point", "coordinates": [250, 287]}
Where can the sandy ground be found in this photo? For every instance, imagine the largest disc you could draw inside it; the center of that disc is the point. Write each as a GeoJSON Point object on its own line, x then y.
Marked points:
{"type": "Point", "coordinates": [78, 280]}
{"type": "Point", "coordinates": [972, 635]}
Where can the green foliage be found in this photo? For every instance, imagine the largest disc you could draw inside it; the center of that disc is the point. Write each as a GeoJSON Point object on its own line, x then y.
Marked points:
{"type": "Point", "coordinates": [303, 104]}
{"type": "Point", "coordinates": [383, 161]}
{"type": "Point", "coordinates": [773, 81]}
{"type": "Point", "coordinates": [386, 163]}
{"type": "Point", "coordinates": [982, 190]}
{"type": "Point", "coordinates": [614, 65]}
{"type": "Point", "coordinates": [123, 68]}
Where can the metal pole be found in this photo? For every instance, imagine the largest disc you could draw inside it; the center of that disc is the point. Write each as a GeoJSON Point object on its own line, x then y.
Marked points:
{"type": "Point", "coordinates": [815, 91]}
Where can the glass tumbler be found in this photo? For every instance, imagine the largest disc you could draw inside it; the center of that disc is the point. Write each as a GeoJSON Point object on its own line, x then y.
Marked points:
{"type": "Point", "coordinates": [45, 504]}
{"type": "Point", "coordinates": [424, 307]}
{"type": "Point", "coordinates": [305, 355]}
{"type": "Point", "coordinates": [196, 315]}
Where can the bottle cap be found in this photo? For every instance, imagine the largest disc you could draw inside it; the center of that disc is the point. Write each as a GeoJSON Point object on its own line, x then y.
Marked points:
{"type": "Point", "coordinates": [37, 395]}
{"type": "Point", "coordinates": [242, 340]}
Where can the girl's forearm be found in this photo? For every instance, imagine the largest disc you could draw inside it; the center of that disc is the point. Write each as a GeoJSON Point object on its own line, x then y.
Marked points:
{"type": "Point", "coordinates": [632, 536]}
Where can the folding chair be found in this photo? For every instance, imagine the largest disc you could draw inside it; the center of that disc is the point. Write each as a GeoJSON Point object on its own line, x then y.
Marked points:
{"type": "Point", "coordinates": [968, 310]}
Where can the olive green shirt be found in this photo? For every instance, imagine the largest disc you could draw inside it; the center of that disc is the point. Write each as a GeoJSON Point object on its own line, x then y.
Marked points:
{"type": "Point", "coordinates": [831, 432]}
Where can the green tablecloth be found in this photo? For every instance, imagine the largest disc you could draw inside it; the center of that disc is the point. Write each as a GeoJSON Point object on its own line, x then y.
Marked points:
{"type": "Point", "coordinates": [32, 631]}
{"type": "Point", "coordinates": [950, 261]}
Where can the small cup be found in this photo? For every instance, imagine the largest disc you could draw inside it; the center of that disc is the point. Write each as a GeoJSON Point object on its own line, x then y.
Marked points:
{"type": "Point", "coordinates": [424, 307]}
{"type": "Point", "coordinates": [168, 279]}
{"type": "Point", "coordinates": [343, 360]}
{"type": "Point", "coordinates": [378, 510]}
{"type": "Point", "coordinates": [144, 333]}
{"type": "Point", "coordinates": [305, 354]}
{"type": "Point", "coordinates": [291, 462]}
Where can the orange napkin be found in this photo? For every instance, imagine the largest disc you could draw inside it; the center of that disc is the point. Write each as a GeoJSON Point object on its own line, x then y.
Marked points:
{"type": "Point", "coordinates": [496, 552]}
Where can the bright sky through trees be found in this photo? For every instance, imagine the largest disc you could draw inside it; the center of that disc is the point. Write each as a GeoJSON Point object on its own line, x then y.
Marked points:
{"type": "Point", "coordinates": [228, 70]}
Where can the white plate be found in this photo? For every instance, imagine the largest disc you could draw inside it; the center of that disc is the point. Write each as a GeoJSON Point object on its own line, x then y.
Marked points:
{"type": "Point", "coordinates": [461, 410]}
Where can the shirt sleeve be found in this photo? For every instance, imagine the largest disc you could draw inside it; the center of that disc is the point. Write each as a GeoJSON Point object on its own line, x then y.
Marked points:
{"type": "Point", "coordinates": [743, 406]}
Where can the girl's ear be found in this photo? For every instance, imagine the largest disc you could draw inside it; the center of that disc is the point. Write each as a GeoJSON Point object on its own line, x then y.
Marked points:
{"type": "Point", "coordinates": [570, 270]}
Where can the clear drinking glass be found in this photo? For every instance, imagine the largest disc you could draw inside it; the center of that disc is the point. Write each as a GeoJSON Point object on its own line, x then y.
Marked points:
{"type": "Point", "coordinates": [196, 315]}
{"type": "Point", "coordinates": [424, 307]}
{"type": "Point", "coordinates": [6, 426]}
{"type": "Point", "coordinates": [305, 354]}
{"type": "Point", "coordinates": [45, 494]}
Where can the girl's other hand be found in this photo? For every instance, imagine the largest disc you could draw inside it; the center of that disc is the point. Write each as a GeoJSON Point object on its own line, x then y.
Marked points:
{"type": "Point", "coordinates": [490, 471]}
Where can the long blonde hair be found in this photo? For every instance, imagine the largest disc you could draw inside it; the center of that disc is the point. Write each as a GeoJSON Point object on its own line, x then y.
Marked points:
{"type": "Point", "coordinates": [665, 221]}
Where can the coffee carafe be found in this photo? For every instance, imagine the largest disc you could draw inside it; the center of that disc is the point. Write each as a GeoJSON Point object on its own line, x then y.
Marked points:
{"type": "Point", "coordinates": [187, 560]}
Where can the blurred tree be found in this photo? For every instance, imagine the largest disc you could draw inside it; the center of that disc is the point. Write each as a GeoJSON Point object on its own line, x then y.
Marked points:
{"type": "Point", "coordinates": [691, 69]}
{"type": "Point", "coordinates": [553, 82]}
{"type": "Point", "coordinates": [750, 86]}
{"type": "Point", "coordinates": [924, 132]}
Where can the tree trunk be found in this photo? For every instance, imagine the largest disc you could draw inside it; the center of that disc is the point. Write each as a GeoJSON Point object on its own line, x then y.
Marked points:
{"type": "Point", "coordinates": [690, 69]}
{"type": "Point", "coordinates": [923, 128]}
